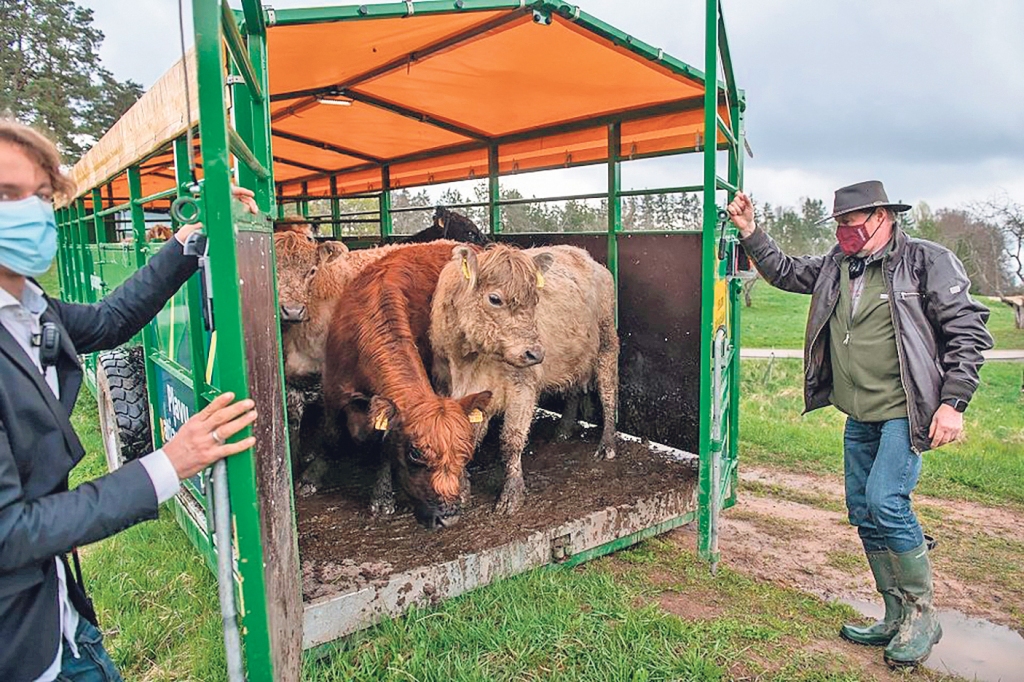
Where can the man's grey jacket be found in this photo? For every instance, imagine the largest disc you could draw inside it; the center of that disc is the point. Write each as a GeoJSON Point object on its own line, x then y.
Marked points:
{"type": "Point", "coordinates": [39, 517]}
{"type": "Point", "coordinates": [940, 328]}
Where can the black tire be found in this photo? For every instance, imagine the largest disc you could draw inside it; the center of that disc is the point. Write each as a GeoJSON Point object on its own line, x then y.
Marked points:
{"type": "Point", "coordinates": [123, 405]}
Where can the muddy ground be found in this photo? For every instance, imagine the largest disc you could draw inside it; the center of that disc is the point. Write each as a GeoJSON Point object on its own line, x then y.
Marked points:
{"type": "Point", "coordinates": [791, 529]}
{"type": "Point", "coordinates": [342, 547]}
{"type": "Point", "coordinates": [805, 542]}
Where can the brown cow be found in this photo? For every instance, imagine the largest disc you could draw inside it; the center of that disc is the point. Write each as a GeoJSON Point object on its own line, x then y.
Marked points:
{"type": "Point", "coordinates": [475, 322]}
{"type": "Point", "coordinates": [374, 370]}
{"type": "Point", "coordinates": [159, 233]}
{"type": "Point", "coordinates": [310, 278]}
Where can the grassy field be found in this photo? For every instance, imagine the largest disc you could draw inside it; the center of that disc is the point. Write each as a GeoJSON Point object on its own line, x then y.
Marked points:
{"type": "Point", "coordinates": [650, 613]}
{"type": "Point", "coordinates": [986, 467]}
{"type": "Point", "coordinates": [777, 319]}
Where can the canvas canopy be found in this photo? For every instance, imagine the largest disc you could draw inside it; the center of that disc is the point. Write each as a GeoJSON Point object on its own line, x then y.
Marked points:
{"type": "Point", "coordinates": [429, 92]}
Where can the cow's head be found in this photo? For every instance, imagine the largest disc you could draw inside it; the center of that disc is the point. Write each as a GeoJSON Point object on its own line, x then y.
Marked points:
{"type": "Point", "coordinates": [455, 226]}
{"type": "Point", "coordinates": [299, 260]}
{"type": "Point", "coordinates": [495, 301]}
{"type": "Point", "coordinates": [431, 445]}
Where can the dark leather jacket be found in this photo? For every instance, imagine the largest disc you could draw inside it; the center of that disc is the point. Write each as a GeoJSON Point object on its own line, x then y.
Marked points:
{"type": "Point", "coordinates": [940, 328]}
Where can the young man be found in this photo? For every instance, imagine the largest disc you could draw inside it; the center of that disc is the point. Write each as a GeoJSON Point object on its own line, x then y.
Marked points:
{"type": "Point", "coordinates": [894, 341]}
{"type": "Point", "coordinates": [47, 626]}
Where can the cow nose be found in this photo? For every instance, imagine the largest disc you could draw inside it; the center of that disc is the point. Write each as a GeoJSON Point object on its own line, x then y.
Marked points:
{"type": "Point", "coordinates": [293, 313]}
{"type": "Point", "coordinates": [533, 355]}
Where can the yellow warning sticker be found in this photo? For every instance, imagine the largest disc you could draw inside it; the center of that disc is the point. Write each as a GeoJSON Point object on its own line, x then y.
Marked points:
{"type": "Point", "coordinates": [721, 302]}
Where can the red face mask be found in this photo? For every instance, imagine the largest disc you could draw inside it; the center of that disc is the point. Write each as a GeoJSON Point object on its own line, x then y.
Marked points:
{"type": "Point", "coordinates": [852, 238]}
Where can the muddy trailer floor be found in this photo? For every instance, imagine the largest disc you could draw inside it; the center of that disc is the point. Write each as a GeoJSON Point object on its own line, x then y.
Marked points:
{"type": "Point", "coordinates": [358, 569]}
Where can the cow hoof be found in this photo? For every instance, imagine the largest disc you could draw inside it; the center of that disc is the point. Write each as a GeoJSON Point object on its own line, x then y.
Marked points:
{"type": "Point", "coordinates": [382, 507]}
{"type": "Point", "coordinates": [565, 433]}
{"type": "Point", "coordinates": [605, 452]}
{"type": "Point", "coordinates": [512, 498]}
{"type": "Point", "coordinates": [306, 489]}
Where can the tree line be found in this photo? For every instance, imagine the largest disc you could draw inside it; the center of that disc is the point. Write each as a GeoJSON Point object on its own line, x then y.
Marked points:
{"type": "Point", "coordinates": [51, 76]}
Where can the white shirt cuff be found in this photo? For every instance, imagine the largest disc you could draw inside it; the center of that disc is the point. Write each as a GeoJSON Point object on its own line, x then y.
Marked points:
{"type": "Point", "coordinates": [162, 474]}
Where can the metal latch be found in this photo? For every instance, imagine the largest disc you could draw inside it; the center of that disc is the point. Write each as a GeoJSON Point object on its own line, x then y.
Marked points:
{"type": "Point", "coordinates": [561, 548]}
{"type": "Point", "coordinates": [198, 245]}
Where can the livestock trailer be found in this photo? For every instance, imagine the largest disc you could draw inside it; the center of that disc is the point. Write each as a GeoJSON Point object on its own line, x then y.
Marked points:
{"type": "Point", "coordinates": [347, 107]}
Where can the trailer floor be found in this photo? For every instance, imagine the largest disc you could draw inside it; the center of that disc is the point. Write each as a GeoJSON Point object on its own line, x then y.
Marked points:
{"type": "Point", "coordinates": [342, 548]}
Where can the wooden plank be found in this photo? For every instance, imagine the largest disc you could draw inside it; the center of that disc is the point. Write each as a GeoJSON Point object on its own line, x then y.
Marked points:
{"type": "Point", "coordinates": [273, 470]}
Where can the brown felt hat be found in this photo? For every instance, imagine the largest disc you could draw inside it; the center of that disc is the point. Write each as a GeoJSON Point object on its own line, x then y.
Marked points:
{"type": "Point", "coordinates": [861, 197]}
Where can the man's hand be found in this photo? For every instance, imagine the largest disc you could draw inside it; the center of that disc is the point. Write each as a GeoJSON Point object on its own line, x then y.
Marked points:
{"type": "Point", "coordinates": [201, 440]}
{"type": "Point", "coordinates": [741, 210]}
{"type": "Point", "coordinates": [947, 426]}
{"type": "Point", "coordinates": [246, 196]}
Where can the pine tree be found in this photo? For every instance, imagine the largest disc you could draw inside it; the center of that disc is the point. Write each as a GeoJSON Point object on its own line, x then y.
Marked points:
{"type": "Point", "coordinates": [51, 75]}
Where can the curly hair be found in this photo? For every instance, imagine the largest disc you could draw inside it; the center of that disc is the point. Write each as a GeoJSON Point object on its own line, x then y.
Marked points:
{"type": "Point", "coordinates": [40, 149]}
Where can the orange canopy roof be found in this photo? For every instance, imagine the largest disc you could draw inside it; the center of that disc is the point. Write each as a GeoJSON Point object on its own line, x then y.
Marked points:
{"type": "Point", "coordinates": [428, 94]}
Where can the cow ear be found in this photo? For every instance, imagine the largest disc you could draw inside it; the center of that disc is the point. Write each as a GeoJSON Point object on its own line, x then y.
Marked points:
{"type": "Point", "coordinates": [439, 216]}
{"type": "Point", "coordinates": [329, 250]}
{"type": "Point", "coordinates": [465, 257]}
{"type": "Point", "coordinates": [542, 261]}
{"type": "Point", "coordinates": [383, 414]}
{"type": "Point", "coordinates": [474, 404]}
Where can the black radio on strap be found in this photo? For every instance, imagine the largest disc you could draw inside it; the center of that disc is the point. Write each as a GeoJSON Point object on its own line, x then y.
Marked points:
{"type": "Point", "coordinates": [48, 343]}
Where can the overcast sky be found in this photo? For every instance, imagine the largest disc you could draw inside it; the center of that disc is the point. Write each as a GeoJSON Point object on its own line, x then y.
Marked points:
{"type": "Point", "coordinates": [925, 95]}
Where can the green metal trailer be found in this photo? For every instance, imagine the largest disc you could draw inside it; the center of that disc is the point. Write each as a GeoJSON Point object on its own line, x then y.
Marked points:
{"type": "Point", "coordinates": [333, 103]}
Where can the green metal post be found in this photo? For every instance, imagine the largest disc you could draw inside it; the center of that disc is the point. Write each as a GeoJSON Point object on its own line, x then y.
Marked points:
{"type": "Point", "coordinates": [614, 205]}
{"type": "Point", "coordinates": [83, 236]}
{"type": "Point", "coordinates": [735, 289]}
{"type": "Point", "coordinates": [387, 225]}
{"type": "Point", "coordinates": [706, 498]}
{"type": "Point", "coordinates": [304, 203]}
{"type": "Point", "coordinates": [335, 208]}
{"type": "Point", "coordinates": [233, 377]}
{"type": "Point", "coordinates": [62, 253]}
{"type": "Point", "coordinates": [149, 343]}
{"type": "Point", "coordinates": [493, 190]}
{"type": "Point", "coordinates": [101, 232]}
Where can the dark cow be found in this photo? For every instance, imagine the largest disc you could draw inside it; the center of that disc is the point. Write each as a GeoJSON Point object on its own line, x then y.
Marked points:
{"type": "Point", "coordinates": [449, 225]}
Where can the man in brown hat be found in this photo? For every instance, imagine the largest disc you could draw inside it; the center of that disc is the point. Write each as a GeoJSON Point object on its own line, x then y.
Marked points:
{"type": "Point", "coordinates": [894, 340]}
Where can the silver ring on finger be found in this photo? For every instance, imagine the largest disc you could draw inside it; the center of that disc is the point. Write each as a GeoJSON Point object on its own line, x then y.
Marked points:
{"type": "Point", "coordinates": [216, 437]}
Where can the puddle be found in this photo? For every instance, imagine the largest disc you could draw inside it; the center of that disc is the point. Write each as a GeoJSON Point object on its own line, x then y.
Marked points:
{"type": "Point", "coordinates": [970, 647]}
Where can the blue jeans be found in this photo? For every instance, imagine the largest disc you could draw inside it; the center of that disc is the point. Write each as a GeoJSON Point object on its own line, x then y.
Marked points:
{"type": "Point", "coordinates": [881, 472]}
{"type": "Point", "coordinates": [93, 663]}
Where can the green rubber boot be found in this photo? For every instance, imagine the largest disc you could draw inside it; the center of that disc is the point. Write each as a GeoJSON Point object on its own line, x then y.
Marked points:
{"type": "Point", "coordinates": [882, 632]}
{"type": "Point", "coordinates": [920, 630]}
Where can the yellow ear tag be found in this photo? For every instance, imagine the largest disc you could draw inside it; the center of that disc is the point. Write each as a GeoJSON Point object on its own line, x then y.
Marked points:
{"type": "Point", "coordinates": [540, 280]}
{"type": "Point", "coordinates": [465, 268]}
{"type": "Point", "coordinates": [381, 422]}
{"type": "Point", "coordinates": [476, 417]}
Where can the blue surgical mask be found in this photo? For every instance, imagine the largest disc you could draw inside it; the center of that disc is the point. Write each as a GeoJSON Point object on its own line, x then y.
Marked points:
{"type": "Point", "coordinates": [28, 236]}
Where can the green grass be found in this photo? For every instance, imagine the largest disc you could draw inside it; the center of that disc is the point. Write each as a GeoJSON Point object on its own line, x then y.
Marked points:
{"type": "Point", "coordinates": [777, 319]}
{"type": "Point", "coordinates": [988, 466]}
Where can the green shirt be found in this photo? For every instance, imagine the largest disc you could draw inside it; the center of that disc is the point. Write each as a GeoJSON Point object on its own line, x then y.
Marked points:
{"type": "Point", "coordinates": [866, 381]}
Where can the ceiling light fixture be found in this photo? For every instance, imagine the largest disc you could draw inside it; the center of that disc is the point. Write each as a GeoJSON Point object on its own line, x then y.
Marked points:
{"type": "Point", "coordinates": [334, 102]}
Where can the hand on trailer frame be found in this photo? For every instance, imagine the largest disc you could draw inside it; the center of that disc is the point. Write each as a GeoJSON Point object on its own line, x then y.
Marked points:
{"type": "Point", "coordinates": [202, 440]}
{"type": "Point", "coordinates": [246, 196]}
